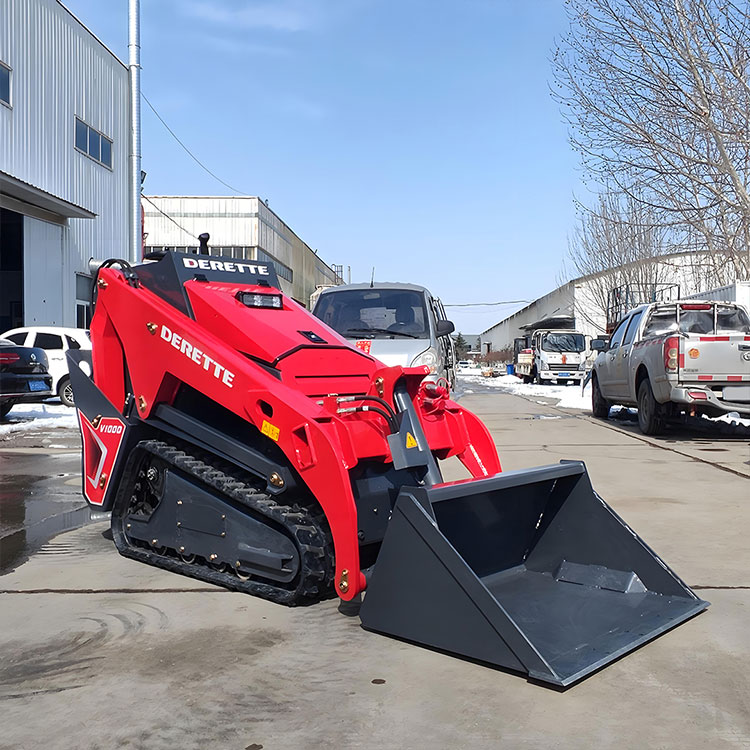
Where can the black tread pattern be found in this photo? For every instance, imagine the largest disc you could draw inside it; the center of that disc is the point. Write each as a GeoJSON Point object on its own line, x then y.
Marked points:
{"type": "Point", "coordinates": [304, 524]}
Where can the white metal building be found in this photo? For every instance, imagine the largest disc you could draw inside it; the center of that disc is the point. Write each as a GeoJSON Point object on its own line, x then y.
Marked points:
{"type": "Point", "coordinates": [580, 298]}
{"type": "Point", "coordinates": [64, 116]}
{"type": "Point", "coordinates": [238, 227]}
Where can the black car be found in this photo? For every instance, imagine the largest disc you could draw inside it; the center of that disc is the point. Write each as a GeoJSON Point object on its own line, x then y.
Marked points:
{"type": "Point", "coordinates": [23, 375]}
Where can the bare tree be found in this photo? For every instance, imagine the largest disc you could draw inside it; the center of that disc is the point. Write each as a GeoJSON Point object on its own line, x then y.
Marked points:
{"type": "Point", "coordinates": [618, 244]}
{"type": "Point", "coordinates": [657, 96]}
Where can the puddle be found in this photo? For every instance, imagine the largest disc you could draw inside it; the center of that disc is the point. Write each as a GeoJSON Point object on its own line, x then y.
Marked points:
{"type": "Point", "coordinates": [36, 506]}
{"type": "Point", "coordinates": [18, 546]}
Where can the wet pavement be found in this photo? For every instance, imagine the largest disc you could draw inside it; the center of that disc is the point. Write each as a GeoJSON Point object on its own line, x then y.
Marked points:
{"type": "Point", "coordinates": [40, 490]}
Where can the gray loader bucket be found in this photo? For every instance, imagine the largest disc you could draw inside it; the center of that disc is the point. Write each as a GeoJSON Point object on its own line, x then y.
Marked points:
{"type": "Point", "coordinates": [528, 570]}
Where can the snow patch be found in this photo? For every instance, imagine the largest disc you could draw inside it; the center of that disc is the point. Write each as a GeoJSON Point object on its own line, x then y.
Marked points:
{"type": "Point", "coordinates": [26, 417]}
{"type": "Point", "coordinates": [731, 418]}
{"type": "Point", "coordinates": [566, 396]}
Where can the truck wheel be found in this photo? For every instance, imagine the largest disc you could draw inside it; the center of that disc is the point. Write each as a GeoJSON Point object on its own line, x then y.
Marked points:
{"type": "Point", "coordinates": [599, 405]}
{"type": "Point", "coordinates": [5, 407]}
{"type": "Point", "coordinates": [650, 411]}
{"type": "Point", "coordinates": [65, 392]}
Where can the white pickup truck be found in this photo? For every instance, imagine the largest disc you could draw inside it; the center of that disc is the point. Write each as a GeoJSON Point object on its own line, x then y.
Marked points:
{"type": "Point", "coordinates": [674, 358]}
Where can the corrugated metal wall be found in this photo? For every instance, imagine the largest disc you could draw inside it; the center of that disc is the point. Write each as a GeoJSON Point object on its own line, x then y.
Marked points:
{"type": "Point", "coordinates": [60, 71]}
{"type": "Point", "coordinates": [229, 221]}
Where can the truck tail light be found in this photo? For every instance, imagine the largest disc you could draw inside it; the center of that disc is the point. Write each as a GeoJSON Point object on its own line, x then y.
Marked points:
{"type": "Point", "coordinates": [671, 353]}
{"type": "Point", "coordinates": [698, 395]}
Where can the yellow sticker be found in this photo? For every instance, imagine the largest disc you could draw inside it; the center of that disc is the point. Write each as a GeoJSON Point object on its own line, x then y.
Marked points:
{"type": "Point", "coordinates": [410, 441]}
{"type": "Point", "coordinates": [268, 429]}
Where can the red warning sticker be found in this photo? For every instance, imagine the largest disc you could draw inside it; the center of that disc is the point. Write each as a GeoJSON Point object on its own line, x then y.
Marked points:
{"type": "Point", "coordinates": [364, 345]}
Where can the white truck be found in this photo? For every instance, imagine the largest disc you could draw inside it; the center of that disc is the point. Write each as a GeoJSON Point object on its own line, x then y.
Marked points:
{"type": "Point", "coordinates": [670, 359]}
{"type": "Point", "coordinates": [551, 354]}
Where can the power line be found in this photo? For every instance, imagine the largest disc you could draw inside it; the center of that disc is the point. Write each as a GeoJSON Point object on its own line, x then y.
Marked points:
{"type": "Point", "coordinates": [188, 151]}
{"type": "Point", "coordinates": [490, 304]}
{"type": "Point", "coordinates": [167, 216]}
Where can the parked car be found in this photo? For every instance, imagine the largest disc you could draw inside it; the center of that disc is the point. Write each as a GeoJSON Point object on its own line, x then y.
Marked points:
{"type": "Point", "coordinates": [674, 358]}
{"type": "Point", "coordinates": [23, 375]}
{"type": "Point", "coordinates": [399, 324]}
{"type": "Point", "coordinates": [55, 341]}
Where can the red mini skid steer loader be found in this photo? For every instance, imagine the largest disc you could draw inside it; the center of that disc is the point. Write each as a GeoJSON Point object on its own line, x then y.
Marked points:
{"type": "Point", "coordinates": [237, 439]}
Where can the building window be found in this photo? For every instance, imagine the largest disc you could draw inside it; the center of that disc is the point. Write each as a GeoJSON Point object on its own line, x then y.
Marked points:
{"type": "Point", "coordinates": [93, 143]}
{"type": "Point", "coordinates": [83, 300]}
{"type": "Point", "coordinates": [4, 84]}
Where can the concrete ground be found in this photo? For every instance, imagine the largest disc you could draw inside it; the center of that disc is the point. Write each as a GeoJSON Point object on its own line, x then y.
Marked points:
{"type": "Point", "coordinates": [101, 652]}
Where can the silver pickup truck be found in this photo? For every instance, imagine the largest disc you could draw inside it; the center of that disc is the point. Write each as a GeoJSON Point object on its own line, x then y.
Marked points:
{"type": "Point", "coordinates": [675, 358]}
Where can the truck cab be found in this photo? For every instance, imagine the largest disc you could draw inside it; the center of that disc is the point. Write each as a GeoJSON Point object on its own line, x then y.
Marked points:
{"type": "Point", "coordinates": [552, 354]}
{"type": "Point", "coordinates": [399, 324]}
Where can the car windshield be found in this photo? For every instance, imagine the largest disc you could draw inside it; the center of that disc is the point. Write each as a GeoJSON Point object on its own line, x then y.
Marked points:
{"type": "Point", "coordinates": [374, 313]}
{"type": "Point", "coordinates": [563, 342]}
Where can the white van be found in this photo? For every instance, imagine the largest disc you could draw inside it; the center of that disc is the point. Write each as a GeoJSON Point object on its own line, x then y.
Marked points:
{"type": "Point", "coordinates": [55, 341]}
{"type": "Point", "coordinates": [399, 324]}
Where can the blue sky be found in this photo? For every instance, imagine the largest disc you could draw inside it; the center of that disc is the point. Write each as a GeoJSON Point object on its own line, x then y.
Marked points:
{"type": "Point", "coordinates": [418, 136]}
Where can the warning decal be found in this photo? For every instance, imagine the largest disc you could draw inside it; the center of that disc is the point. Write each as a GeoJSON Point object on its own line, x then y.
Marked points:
{"type": "Point", "coordinates": [365, 345]}
{"type": "Point", "coordinates": [410, 441]}
{"type": "Point", "coordinates": [270, 431]}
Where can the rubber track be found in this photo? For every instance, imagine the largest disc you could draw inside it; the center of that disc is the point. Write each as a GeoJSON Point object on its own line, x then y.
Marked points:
{"type": "Point", "coordinates": [307, 529]}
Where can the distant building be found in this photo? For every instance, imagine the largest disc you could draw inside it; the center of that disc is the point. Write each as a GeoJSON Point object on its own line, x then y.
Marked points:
{"type": "Point", "coordinates": [243, 228]}
{"type": "Point", "coordinates": [64, 115]}
{"type": "Point", "coordinates": [581, 299]}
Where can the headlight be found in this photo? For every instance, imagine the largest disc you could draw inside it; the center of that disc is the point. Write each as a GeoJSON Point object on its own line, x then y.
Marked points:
{"type": "Point", "coordinates": [427, 358]}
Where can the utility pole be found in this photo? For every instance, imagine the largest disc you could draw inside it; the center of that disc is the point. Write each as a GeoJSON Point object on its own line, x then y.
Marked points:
{"type": "Point", "coordinates": [134, 75]}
